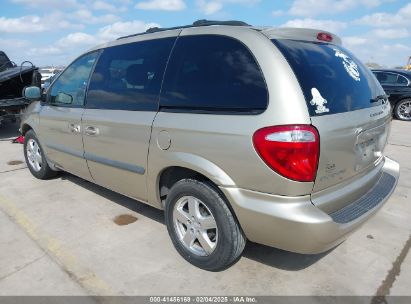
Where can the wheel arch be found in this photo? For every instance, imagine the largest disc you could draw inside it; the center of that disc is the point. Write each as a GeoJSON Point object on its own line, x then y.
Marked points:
{"type": "Point", "coordinates": [408, 96]}
{"type": "Point", "coordinates": [174, 166]}
{"type": "Point", "coordinates": [25, 128]}
{"type": "Point", "coordinates": [169, 175]}
{"type": "Point", "coordinates": [172, 174]}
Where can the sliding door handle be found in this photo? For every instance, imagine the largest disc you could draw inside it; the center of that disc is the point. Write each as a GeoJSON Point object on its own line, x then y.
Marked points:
{"type": "Point", "coordinates": [91, 131]}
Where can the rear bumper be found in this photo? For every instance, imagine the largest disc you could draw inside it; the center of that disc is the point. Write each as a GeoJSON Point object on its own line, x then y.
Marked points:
{"type": "Point", "coordinates": [295, 224]}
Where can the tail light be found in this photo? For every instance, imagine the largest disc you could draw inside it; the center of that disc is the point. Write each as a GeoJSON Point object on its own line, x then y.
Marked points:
{"type": "Point", "coordinates": [325, 37]}
{"type": "Point", "coordinates": [291, 151]}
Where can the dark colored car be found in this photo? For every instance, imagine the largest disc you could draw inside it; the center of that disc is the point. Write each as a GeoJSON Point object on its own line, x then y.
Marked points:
{"type": "Point", "coordinates": [13, 79]}
{"type": "Point", "coordinates": [397, 84]}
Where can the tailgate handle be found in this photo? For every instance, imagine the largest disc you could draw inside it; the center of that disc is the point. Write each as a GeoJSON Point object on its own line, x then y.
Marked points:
{"type": "Point", "coordinates": [92, 131]}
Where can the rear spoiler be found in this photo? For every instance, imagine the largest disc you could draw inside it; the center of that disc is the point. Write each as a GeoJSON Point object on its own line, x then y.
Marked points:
{"type": "Point", "coordinates": [301, 34]}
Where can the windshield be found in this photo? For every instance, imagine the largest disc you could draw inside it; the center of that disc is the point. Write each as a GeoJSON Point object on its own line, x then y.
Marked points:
{"type": "Point", "coordinates": [333, 80]}
{"type": "Point", "coordinates": [5, 63]}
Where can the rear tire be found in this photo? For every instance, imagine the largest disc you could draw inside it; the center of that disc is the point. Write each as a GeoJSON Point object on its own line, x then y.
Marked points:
{"type": "Point", "coordinates": [202, 227]}
{"type": "Point", "coordinates": [402, 110]}
{"type": "Point", "coordinates": [35, 158]}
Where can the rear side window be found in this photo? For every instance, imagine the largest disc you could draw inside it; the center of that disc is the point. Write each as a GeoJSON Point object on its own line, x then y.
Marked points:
{"type": "Point", "coordinates": [391, 79]}
{"type": "Point", "coordinates": [402, 81]}
{"type": "Point", "coordinates": [213, 73]}
{"type": "Point", "coordinates": [129, 76]}
{"type": "Point", "coordinates": [332, 79]}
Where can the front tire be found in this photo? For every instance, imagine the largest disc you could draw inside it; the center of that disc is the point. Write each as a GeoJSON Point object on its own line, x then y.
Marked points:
{"type": "Point", "coordinates": [35, 158]}
{"type": "Point", "coordinates": [402, 110]}
{"type": "Point", "coordinates": [202, 227]}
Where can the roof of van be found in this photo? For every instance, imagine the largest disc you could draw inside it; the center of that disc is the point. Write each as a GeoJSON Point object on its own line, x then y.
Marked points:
{"type": "Point", "coordinates": [269, 31]}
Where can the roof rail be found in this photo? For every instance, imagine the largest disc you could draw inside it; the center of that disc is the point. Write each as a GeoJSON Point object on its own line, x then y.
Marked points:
{"type": "Point", "coordinates": [198, 23]}
{"type": "Point", "coordinates": [204, 22]}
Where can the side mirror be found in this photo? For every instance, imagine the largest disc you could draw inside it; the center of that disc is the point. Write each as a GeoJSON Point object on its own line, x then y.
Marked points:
{"type": "Point", "coordinates": [32, 93]}
{"type": "Point", "coordinates": [63, 98]}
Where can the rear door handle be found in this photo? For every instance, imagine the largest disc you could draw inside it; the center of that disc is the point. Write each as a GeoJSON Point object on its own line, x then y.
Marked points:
{"type": "Point", "coordinates": [92, 131]}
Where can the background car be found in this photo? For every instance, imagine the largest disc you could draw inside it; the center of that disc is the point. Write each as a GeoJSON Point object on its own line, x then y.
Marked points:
{"type": "Point", "coordinates": [48, 81]}
{"type": "Point", "coordinates": [397, 84]}
{"type": "Point", "coordinates": [47, 73]}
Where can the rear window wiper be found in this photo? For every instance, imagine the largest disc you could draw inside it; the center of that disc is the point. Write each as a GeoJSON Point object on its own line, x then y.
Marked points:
{"type": "Point", "coordinates": [379, 97]}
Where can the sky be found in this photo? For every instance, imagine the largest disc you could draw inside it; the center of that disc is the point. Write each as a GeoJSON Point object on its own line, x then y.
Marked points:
{"type": "Point", "coordinates": [54, 32]}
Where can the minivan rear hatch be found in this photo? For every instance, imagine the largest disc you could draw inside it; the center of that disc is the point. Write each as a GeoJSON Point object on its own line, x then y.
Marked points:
{"type": "Point", "coordinates": [347, 106]}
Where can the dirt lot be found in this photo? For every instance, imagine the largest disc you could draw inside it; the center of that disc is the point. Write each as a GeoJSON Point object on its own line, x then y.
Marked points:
{"type": "Point", "coordinates": [60, 237]}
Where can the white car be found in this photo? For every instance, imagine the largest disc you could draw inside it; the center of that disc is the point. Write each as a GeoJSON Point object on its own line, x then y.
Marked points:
{"type": "Point", "coordinates": [46, 73]}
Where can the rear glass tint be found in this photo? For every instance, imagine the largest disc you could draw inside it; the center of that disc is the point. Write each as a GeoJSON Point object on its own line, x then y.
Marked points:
{"type": "Point", "coordinates": [213, 74]}
{"type": "Point", "coordinates": [333, 80]}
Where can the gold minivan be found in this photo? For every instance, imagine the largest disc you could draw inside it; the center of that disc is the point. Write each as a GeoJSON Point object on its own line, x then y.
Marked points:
{"type": "Point", "coordinates": [273, 135]}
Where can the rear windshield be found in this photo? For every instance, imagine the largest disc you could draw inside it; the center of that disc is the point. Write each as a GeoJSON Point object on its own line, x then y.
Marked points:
{"type": "Point", "coordinates": [333, 80]}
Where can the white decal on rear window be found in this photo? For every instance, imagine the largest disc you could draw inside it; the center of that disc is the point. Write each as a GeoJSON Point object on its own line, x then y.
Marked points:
{"type": "Point", "coordinates": [350, 66]}
{"type": "Point", "coordinates": [318, 101]}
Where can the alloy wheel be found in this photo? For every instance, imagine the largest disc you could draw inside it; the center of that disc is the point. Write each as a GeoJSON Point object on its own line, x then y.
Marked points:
{"type": "Point", "coordinates": [404, 110]}
{"type": "Point", "coordinates": [195, 225]}
{"type": "Point", "coordinates": [34, 157]}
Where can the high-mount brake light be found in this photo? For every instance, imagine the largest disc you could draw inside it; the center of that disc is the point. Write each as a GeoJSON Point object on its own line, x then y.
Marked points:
{"type": "Point", "coordinates": [291, 150]}
{"type": "Point", "coordinates": [324, 37]}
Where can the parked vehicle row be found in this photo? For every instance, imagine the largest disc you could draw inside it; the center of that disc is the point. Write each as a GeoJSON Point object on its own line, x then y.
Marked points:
{"type": "Point", "coordinates": [239, 133]}
{"type": "Point", "coordinates": [45, 85]}
{"type": "Point", "coordinates": [46, 73]}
